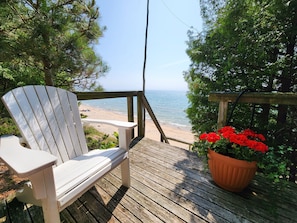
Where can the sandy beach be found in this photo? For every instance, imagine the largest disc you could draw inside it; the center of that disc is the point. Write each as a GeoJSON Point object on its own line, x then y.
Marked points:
{"type": "Point", "coordinates": [179, 133]}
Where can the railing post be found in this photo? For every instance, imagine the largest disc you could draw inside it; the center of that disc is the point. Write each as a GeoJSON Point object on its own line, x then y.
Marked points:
{"type": "Point", "coordinates": [140, 115]}
{"type": "Point", "coordinates": [222, 114]}
{"type": "Point", "coordinates": [130, 110]}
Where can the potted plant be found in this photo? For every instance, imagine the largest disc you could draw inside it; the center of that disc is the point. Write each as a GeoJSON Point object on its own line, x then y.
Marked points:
{"type": "Point", "coordinates": [232, 156]}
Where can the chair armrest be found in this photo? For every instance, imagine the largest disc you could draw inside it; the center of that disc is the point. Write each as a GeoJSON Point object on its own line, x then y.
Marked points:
{"type": "Point", "coordinates": [119, 124]}
{"type": "Point", "coordinates": [24, 162]}
{"type": "Point", "coordinates": [125, 129]}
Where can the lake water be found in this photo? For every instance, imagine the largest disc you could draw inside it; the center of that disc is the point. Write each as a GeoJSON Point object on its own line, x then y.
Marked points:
{"type": "Point", "coordinates": [168, 106]}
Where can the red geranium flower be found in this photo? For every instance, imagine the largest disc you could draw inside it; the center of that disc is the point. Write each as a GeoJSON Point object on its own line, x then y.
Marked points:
{"type": "Point", "coordinates": [210, 137]}
{"type": "Point", "coordinates": [245, 145]}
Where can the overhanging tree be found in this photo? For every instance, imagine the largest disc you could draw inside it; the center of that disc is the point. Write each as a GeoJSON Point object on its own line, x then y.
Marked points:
{"type": "Point", "coordinates": [50, 42]}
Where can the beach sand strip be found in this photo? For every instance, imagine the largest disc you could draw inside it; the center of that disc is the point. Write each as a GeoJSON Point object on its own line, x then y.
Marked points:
{"type": "Point", "coordinates": [151, 132]}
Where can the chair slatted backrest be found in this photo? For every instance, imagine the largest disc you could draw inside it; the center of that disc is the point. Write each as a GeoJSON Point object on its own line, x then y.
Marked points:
{"type": "Point", "coordinates": [49, 120]}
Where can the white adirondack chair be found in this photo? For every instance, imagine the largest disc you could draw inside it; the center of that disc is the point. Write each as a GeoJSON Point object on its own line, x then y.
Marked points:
{"type": "Point", "coordinates": [58, 164]}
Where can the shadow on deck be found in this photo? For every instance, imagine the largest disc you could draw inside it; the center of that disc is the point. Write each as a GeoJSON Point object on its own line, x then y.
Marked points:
{"type": "Point", "coordinates": [169, 185]}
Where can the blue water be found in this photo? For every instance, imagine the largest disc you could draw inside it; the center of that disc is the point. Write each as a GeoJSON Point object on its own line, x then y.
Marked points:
{"type": "Point", "coordinates": [168, 106]}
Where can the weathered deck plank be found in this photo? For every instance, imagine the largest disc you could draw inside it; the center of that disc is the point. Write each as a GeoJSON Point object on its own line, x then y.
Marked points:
{"type": "Point", "coordinates": [197, 193]}
{"type": "Point", "coordinates": [173, 174]}
{"type": "Point", "coordinates": [169, 185]}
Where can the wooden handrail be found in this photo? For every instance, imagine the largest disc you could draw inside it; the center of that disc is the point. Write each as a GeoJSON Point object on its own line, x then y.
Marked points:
{"type": "Point", "coordinates": [251, 97]}
{"type": "Point", "coordinates": [104, 95]}
{"type": "Point", "coordinates": [255, 97]}
{"type": "Point", "coordinates": [181, 141]}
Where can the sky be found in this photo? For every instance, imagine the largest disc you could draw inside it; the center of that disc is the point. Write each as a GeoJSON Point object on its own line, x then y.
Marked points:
{"type": "Point", "coordinates": [122, 44]}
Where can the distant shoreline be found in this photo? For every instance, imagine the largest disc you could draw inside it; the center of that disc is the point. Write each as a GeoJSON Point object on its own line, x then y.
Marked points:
{"type": "Point", "coordinates": [170, 130]}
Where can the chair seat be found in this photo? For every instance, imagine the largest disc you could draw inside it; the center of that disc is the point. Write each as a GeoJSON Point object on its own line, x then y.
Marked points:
{"type": "Point", "coordinates": [75, 176]}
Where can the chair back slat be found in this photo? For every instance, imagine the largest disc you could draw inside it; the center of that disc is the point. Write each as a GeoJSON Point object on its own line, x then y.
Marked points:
{"type": "Point", "coordinates": [77, 132]}
{"type": "Point", "coordinates": [48, 119]}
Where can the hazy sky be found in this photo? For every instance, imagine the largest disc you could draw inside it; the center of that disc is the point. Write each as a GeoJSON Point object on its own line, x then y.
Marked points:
{"type": "Point", "coordinates": [122, 46]}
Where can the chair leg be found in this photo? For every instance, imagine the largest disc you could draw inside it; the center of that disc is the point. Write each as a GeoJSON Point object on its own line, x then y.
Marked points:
{"type": "Point", "coordinates": [50, 207]}
{"type": "Point", "coordinates": [125, 171]}
{"type": "Point", "coordinates": [51, 212]}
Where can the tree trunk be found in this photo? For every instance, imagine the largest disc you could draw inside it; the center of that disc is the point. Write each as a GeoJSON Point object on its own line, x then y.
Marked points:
{"type": "Point", "coordinates": [47, 72]}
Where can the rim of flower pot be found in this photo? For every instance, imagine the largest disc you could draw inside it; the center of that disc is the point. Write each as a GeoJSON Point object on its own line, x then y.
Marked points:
{"type": "Point", "coordinates": [234, 161]}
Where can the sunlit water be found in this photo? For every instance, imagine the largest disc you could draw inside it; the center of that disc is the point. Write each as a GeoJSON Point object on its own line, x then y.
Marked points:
{"type": "Point", "coordinates": [168, 106]}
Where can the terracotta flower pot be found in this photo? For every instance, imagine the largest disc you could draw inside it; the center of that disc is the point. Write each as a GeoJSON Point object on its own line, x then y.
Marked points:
{"type": "Point", "coordinates": [229, 173]}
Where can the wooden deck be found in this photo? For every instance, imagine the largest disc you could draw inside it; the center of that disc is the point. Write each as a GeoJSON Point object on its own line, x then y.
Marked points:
{"type": "Point", "coordinates": [169, 185]}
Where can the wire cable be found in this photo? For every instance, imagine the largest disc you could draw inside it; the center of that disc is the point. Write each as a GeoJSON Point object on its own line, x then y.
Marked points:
{"type": "Point", "coordinates": [145, 53]}
{"type": "Point", "coordinates": [145, 45]}
{"type": "Point", "coordinates": [178, 18]}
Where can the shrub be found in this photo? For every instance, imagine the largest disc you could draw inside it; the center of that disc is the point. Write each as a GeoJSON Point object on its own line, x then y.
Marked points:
{"type": "Point", "coordinates": [99, 140]}
{"type": "Point", "coordinates": [8, 127]}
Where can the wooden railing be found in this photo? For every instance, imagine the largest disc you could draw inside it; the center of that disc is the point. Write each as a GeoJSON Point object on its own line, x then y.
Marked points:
{"type": "Point", "coordinates": [225, 98]}
{"type": "Point", "coordinates": [120, 94]}
{"type": "Point", "coordinates": [142, 106]}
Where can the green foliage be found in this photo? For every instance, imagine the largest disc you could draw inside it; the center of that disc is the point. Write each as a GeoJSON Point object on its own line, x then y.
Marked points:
{"type": "Point", "coordinates": [83, 115]}
{"type": "Point", "coordinates": [99, 140]}
{"type": "Point", "coordinates": [275, 164]}
{"type": "Point", "coordinates": [201, 121]}
{"type": "Point", "coordinates": [241, 49]}
{"type": "Point", "coordinates": [8, 127]}
{"type": "Point", "coordinates": [50, 42]}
